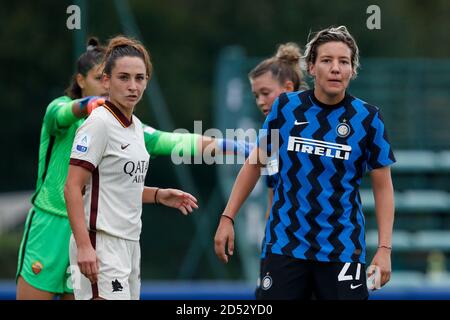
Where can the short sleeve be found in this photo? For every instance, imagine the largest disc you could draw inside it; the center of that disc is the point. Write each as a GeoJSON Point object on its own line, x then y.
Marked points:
{"type": "Point", "coordinates": [265, 142]}
{"type": "Point", "coordinates": [90, 143]}
{"type": "Point", "coordinates": [379, 153]}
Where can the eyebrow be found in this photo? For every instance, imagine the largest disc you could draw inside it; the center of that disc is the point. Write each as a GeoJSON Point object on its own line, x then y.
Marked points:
{"type": "Point", "coordinates": [341, 57]}
{"type": "Point", "coordinates": [127, 74]}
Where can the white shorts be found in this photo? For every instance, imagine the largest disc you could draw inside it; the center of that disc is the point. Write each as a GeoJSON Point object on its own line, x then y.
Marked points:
{"type": "Point", "coordinates": [119, 275]}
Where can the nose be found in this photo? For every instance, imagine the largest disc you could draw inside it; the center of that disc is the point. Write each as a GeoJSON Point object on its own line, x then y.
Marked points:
{"type": "Point", "coordinates": [335, 67]}
{"type": "Point", "coordinates": [260, 101]}
{"type": "Point", "coordinates": [132, 85]}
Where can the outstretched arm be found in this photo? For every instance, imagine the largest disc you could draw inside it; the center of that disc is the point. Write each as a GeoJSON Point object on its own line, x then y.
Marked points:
{"type": "Point", "coordinates": [383, 192]}
{"type": "Point", "coordinates": [161, 143]}
{"type": "Point", "coordinates": [72, 111]}
{"type": "Point", "coordinates": [226, 146]}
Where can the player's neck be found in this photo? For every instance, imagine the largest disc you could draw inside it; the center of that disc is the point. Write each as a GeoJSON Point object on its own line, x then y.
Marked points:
{"type": "Point", "coordinates": [328, 99]}
{"type": "Point", "coordinates": [126, 111]}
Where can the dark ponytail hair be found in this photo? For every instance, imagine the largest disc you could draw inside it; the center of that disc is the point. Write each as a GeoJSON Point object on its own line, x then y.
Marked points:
{"type": "Point", "coordinates": [93, 56]}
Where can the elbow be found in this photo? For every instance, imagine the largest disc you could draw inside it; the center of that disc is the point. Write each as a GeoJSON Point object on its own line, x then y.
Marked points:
{"type": "Point", "coordinates": [66, 191]}
{"type": "Point", "coordinates": [69, 190]}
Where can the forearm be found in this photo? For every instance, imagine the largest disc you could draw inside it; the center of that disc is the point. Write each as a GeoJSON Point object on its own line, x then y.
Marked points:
{"type": "Point", "coordinates": [384, 210]}
{"type": "Point", "coordinates": [75, 212]}
{"type": "Point", "coordinates": [245, 182]}
{"type": "Point", "coordinates": [383, 192]}
{"type": "Point", "coordinates": [71, 112]}
{"type": "Point", "coordinates": [160, 143]}
{"type": "Point", "coordinates": [236, 147]}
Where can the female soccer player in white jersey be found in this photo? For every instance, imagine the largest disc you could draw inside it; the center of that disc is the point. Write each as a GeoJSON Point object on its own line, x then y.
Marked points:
{"type": "Point", "coordinates": [314, 241]}
{"type": "Point", "coordinates": [43, 265]}
{"type": "Point", "coordinates": [109, 161]}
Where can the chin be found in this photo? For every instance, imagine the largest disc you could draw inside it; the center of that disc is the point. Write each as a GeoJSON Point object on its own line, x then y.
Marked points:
{"type": "Point", "coordinates": [335, 91]}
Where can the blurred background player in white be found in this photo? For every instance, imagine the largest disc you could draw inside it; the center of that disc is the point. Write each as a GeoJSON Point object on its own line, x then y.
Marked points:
{"type": "Point", "coordinates": [109, 162]}
{"type": "Point", "coordinates": [270, 78]}
{"type": "Point", "coordinates": [315, 241]}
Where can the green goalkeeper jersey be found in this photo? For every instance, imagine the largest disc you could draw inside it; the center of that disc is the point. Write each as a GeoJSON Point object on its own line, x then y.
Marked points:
{"type": "Point", "coordinates": [56, 146]}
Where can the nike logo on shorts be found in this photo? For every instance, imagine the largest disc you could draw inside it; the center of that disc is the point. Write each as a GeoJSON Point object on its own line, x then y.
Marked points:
{"type": "Point", "coordinates": [124, 146]}
{"type": "Point", "coordinates": [354, 287]}
{"type": "Point", "coordinates": [297, 123]}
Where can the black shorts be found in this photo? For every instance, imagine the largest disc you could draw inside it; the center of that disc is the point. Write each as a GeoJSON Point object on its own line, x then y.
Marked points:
{"type": "Point", "coordinates": [288, 278]}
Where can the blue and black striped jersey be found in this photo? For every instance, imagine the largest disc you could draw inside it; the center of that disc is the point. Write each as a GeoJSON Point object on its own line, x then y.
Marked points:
{"type": "Point", "coordinates": [324, 150]}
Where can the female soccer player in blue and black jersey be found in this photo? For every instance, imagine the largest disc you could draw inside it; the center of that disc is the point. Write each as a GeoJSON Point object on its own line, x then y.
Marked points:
{"type": "Point", "coordinates": [271, 77]}
{"type": "Point", "coordinates": [314, 241]}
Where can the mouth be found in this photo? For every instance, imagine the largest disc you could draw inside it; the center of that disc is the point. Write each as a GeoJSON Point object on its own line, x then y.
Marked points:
{"type": "Point", "coordinates": [334, 81]}
{"type": "Point", "coordinates": [132, 97]}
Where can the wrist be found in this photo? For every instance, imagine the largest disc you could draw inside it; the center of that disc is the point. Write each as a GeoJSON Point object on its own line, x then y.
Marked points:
{"type": "Point", "coordinates": [227, 217]}
{"type": "Point", "coordinates": [389, 248]}
{"type": "Point", "coordinates": [155, 200]}
{"type": "Point", "coordinates": [83, 102]}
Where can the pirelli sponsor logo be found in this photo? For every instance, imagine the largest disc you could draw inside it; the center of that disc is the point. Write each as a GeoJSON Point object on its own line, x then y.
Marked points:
{"type": "Point", "coordinates": [319, 148]}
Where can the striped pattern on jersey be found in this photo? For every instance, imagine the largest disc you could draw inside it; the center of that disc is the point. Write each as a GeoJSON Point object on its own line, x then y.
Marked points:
{"type": "Point", "coordinates": [323, 153]}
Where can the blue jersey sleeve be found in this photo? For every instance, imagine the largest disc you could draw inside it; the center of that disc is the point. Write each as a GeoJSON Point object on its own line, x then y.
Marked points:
{"type": "Point", "coordinates": [271, 181]}
{"type": "Point", "coordinates": [379, 153]}
{"type": "Point", "coordinates": [265, 135]}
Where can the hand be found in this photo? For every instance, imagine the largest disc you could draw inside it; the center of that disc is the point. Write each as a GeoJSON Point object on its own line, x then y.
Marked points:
{"type": "Point", "coordinates": [224, 237]}
{"type": "Point", "coordinates": [177, 199]}
{"type": "Point", "coordinates": [382, 260]}
{"type": "Point", "coordinates": [93, 103]}
{"type": "Point", "coordinates": [88, 263]}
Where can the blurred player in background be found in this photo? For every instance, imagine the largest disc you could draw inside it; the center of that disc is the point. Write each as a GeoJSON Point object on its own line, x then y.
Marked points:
{"type": "Point", "coordinates": [315, 241]}
{"type": "Point", "coordinates": [108, 165]}
{"type": "Point", "coordinates": [270, 78]}
{"type": "Point", "coordinates": [43, 261]}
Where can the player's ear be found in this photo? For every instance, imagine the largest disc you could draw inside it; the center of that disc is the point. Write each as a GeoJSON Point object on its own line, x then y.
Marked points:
{"type": "Point", "coordinates": [105, 81]}
{"type": "Point", "coordinates": [79, 78]}
{"type": "Point", "coordinates": [311, 69]}
{"type": "Point", "coordinates": [353, 73]}
{"type": "Point", "coordinates": [288, 86]}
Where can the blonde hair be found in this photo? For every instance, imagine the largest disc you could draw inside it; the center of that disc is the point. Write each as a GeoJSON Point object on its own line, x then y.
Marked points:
{"type": "Point", "coordinates": [121, 46]}
{"type": "Point", "coordinates": [285, 65]}
{"type": "Point", "coordinates": [340, 34]}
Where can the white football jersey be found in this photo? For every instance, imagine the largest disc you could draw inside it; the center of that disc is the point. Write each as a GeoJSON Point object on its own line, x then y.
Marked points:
{"type": "Point", "coordinates": [113, 149]}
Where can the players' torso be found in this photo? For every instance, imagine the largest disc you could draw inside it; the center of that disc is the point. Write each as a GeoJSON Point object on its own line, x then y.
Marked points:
{"type": "Point", "coordinates": [54, 153]}
{"type": "Point", "coordinates": [321, 161]}
{"type": "Point", "coordinates": [121, 177]}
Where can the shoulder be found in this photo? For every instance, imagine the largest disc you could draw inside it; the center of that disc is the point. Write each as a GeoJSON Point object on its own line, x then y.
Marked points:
{"type": "Point", "coordinates": [98, 118]}
{"type": "Point", "coordinates": [361, 105]}
{"type": "Point", "coordinates": [137, 121]}
{"type": "Point", "coordinates": [298, 97]}
{"type": "Point", "coordinates": [99, 112]}
{"type": "Point", "coordinates": [290, 96]}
